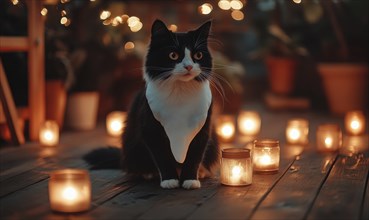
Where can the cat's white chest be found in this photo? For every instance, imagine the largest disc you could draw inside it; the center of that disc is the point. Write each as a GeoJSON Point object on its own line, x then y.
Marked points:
{"type": "Point", "coordinates": [181, 108]}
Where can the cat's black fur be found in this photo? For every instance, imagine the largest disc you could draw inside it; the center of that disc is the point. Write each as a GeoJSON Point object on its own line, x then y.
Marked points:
{"type": "Point", "coordinates": [146, 146]}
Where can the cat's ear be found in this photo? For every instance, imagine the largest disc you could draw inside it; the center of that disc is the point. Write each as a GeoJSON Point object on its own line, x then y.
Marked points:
{"type": "Point", "coordinates": [158, 27]}
{"type": "Point", "coordinates": [204, 30]}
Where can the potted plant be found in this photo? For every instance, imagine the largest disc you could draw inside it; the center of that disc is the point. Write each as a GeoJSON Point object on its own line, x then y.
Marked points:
{"type": "Point", "coordinates": [58, 78]}
{"type": "Point", "coordinates": [344, 54]}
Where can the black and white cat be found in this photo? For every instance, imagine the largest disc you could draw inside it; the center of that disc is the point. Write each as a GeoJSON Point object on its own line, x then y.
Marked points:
{"type": "Point", "coordinates": [169, 124]}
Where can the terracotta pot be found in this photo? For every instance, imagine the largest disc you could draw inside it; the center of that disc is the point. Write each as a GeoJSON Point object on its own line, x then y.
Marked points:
{"type": "Point", "coordinates": [281, 74]}
{"type": "Point", "coordinates": [56, 98]}
{"type": "Point", "coordinates": [346, 86]}
{"type": "Point", "coordinates": [81, 113]}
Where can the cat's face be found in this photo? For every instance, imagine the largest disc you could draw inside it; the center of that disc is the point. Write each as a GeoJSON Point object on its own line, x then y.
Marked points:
{"type": "Point", "coordinates": [178, 56]}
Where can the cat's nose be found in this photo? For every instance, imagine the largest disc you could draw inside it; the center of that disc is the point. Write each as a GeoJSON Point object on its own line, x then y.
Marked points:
{"type": "Point", "coordinates": [188, 67]}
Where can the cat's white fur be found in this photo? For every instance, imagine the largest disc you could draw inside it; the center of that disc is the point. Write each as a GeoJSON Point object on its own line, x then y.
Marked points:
{"type": "Point", "coordinates": [180, 104]}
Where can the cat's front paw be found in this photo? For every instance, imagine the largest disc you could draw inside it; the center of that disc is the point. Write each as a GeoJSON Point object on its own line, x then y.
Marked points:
{"type": "Point", "coordinates": [169, 184]}
{"type": "Point", "coordinates": [191, 184]}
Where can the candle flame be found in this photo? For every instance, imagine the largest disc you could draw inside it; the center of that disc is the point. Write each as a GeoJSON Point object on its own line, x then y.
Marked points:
{"type": "Point", "coordinates": [227, 130]}
{"type": "Point", "coordinates": [328, 142]}
{"type": "Point", "coordinates": [236, 171]}
{"type": "Point", "coordinates": [69, 193]}
{"type": "Point", "coordinates": [355, 125]}
{"type": "Point", "coordinates": [48, 135]}
{"type": "Point", "coordinates": [265, 159]}
{"type": "Point", "coordinates": [294, 134]}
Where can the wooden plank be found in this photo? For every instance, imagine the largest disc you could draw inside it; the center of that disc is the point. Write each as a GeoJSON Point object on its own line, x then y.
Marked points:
{"type": "Point", "coordinates": [239, 202]}
{"type": "Point", "coordinates": [9, 109]}
{"type": "Point", "coordinates": [13, 44]}
{"type": "Point", "coordinates": [296, 190]}
{"type": "Point", "coordinates": [341, 196]}
{"type": "Point", "coordinates": [36, 70]}
{"type": "Point", "coordinates": [105, 185]}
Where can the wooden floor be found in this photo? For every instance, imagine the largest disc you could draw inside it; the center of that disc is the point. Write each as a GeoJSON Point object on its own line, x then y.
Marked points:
{"type": "Point", "coordinates": [309, 186]}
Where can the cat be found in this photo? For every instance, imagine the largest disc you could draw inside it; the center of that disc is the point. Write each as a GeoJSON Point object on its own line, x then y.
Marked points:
{"type": "Point", "coordinates": [168, 130]}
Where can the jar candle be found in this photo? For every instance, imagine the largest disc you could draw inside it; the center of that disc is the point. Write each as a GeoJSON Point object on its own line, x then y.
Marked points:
{"type": "Point", "coordinates": [328, 137]}
{"type": "Point", "coordinates": [355, 122]}
{"type": "Point", "coordinates": [266, 154]}
{"type": "Point", "coordinates": [249, 123]}
{"type": "Point", "coordinates": [297, 131]}
{"type": "Point", "coordinates": [236, 167]}
{"type": "Point", "coordinates": [225, 128]}
{"type": "Point", "coordinates": [49, 133]}
{"type": "Point", "coordinates": [69, 190]}
{"type": "Point", "coordinates": [115, 123]}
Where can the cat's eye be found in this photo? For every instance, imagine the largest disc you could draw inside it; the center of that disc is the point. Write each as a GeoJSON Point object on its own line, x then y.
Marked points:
{"type": "Point", "coordinates": [198, 56]}
{"type": "Point", "coordinates": [173, 56]}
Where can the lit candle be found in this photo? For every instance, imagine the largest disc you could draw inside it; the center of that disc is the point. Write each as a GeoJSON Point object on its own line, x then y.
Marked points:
{"type": "Point", "coordinates": [225, 128]}
{"type": "Point", "coordinates": [297, 131]}
{"type": "Point", "coordinates": [355, 122]}
{"type": "Point", "coordinates": [236, 167]}
{"type": "Point", "coordinates": [249, 123]}
{"type": "Point", "coordinates": [266, 156]}
{"type": "Point", "coordinates": [115, 123]}
{"type": "Point", "coordinates": [328, 137]}
{"type": "Point", "coordinates": [49, 133]}
{"type": "Point", "coordinates": [70, 190]}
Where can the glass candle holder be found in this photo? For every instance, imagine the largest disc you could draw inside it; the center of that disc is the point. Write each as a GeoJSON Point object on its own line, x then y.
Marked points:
{"type": "Point", "coordinates": [49, 133]}
{"type": "Point", "coordinates": [297, 131]}
{"type": "Point", "coordinates": [328, 137]}
{"type": "Point", "coordinates": [225, 128]}
{"type": "Point", "coordinates": [115, 123]}
{"type": "Point", "coordinates": [355, 122]}
{"type": "Point", "coordinates": [249, 123]}
{"type": "Point", "coordinates": [70, 190]}
{"type": "Point", "coordinates": [236, 167]}
{"type": "Point", "coordinates": [266, 156]}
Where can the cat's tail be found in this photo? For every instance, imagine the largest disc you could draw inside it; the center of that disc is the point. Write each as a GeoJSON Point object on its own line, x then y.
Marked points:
{"type": "Point", "coordinates": [104, 158]}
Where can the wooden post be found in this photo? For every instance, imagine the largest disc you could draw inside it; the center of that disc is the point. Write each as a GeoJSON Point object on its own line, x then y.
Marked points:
{"type": "Point", "coordinates": [36, 69]}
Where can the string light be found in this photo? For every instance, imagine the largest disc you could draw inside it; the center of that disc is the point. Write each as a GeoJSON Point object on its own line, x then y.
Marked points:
{"type": "Point", "coordinates": [237, 15]}
{"type": "Point", "coordinates": [15, 2]}
{"type": "Point", "coordinates": [44, 12]}
{"type": "Point", "coordinates": [205, 8]}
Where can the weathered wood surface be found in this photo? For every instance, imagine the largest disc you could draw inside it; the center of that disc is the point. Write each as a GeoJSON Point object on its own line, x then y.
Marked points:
{"type": "Point", "coordinates": [309, 184]}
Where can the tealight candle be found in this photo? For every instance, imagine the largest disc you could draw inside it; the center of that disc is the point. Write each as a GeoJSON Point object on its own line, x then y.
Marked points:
{"type": "Point", "coordinates": [266, 156]}
{"type": "Point", "coordinates": [249, 123]}
{"type": "Point", "coordinates": [355, 122]}
{"type": "Point", "coordinates": [225, 128]}
{"type": "Point", "coordinates": [328, 137]}
{"type": "Point", "coordinates": [297, 131]}
{"type": "Point", "coordinates": [49, 133]}
{"type": "Point", "coordinates": [236, 167]}
{"type": "Point", "coordinates": [115, 123]}
{"type": "Point", "coordinates": [70, 190]}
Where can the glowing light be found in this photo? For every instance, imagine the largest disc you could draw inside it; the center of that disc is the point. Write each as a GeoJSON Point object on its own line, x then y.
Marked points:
{"type": "Point", "coordinates": [294, 134]}
{"type": "Point", "coordinates": [205, 8]}
{"type": "Point", "coordinates": [328, 142]}
{"type": "Point", "coordinates": [173, 27]}
{"type": "Point", "coordinates": [297, 1]}
{"type": "Point", "coordinates": [15, 2]}
{"type": "Point", "coordinates": [104, 15]}
{"type": "Point", "coordinates": [224, 4]}
{"type": "Point", "coordinates": [227, 130]}
{"type": "Point", "coordinates": [237, 15]}
{"type": "Point", "coordinates": [138, 26]}
{"type": "Point", "coordinates": [265, 159]}
{"type": "Point", "coordinates": [132, 21]}
{"type": "Point", "coordinates": [69, 193]}
{"type": "Point", "coordinates": [63, 13]}
{"type": "Point", "coordinates": [64, 1]}
{"type": "Point", "coordinates": [124, 18]}
{"type": "Point", "coordinates": [236, 4]}
{"type": "Point", "coordinates": [44, 12]}
{"type": "Point", "coordinates": [236, 171]}
{"type": "Point", "coordinates": [355, 124]}
{"type": "Point", "coordinates": [129, 45]}
{"type": "Point", "coordinates": [63, 20]}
